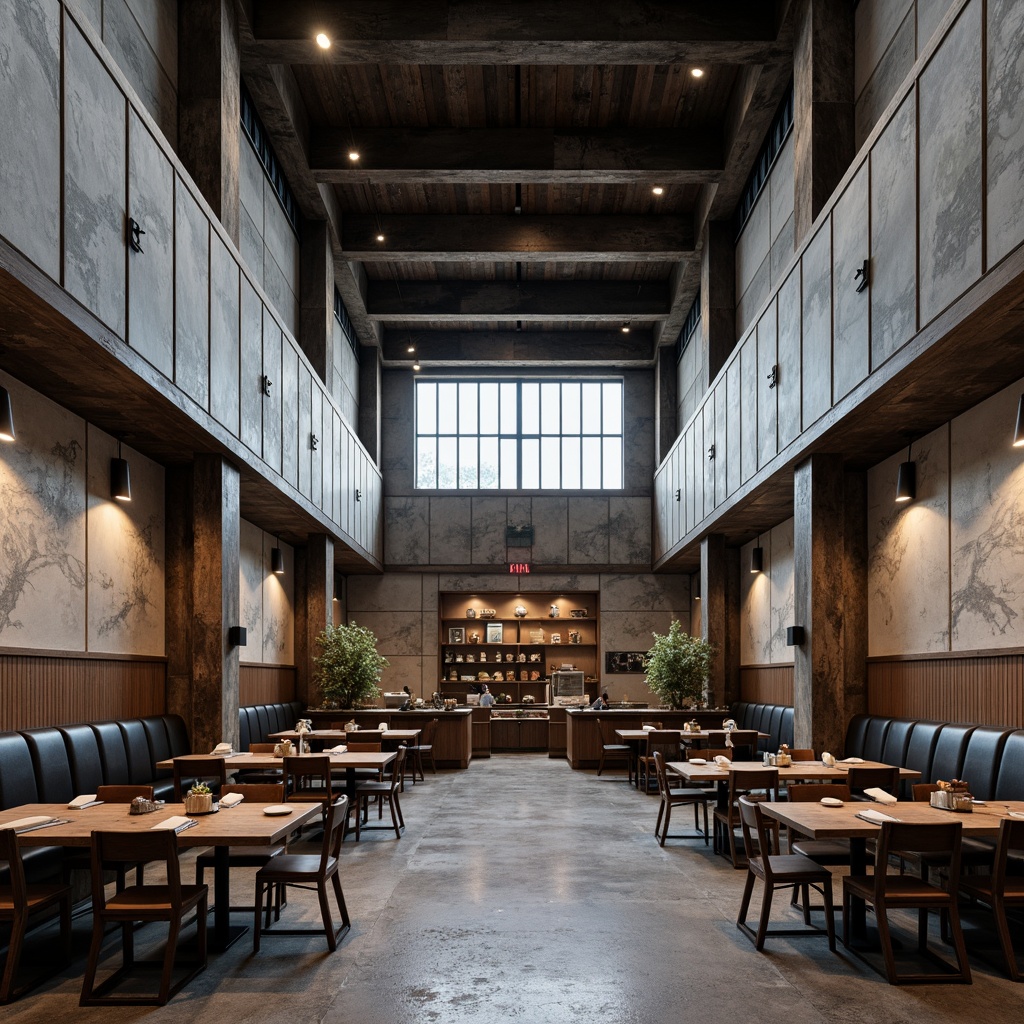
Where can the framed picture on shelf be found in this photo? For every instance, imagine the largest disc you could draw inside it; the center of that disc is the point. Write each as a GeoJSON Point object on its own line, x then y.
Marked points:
{"type": "Point", "coordinates": [495, 632]}
{"type": "Point", "coordinates": [457, 635]}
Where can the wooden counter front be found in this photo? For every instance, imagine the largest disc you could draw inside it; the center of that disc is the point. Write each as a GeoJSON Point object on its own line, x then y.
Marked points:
{"type": "Point", "coordinates": [453, 744]}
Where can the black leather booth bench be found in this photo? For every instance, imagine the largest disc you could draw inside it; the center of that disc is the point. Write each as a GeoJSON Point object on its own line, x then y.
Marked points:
{"type": "Point", "coordinates": [774, 719]}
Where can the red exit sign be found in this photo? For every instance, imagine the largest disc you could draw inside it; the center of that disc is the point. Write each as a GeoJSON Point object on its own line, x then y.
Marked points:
{"type": "Point", "coordinates": [518, 568]}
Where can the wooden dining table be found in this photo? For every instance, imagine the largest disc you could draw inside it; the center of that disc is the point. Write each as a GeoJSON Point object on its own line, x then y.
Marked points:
{"type": "Point", "coordinates": [333, 736]}
{"type": "Point", "coordinates": [242, 825]}
{"type": "Point", "coordinates": [636, 740]}
{"type": "Point", "coordinates": [817, 821]}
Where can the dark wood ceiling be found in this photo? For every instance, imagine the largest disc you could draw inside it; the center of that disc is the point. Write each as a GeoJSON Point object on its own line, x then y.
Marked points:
{"type": "Point", "coordinates": [507, 154]}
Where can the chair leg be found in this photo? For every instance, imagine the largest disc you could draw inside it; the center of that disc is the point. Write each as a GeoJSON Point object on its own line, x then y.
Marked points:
{"type": "Point", "coordinates": [705, 806]}
{"type": "Point", "coordinates": [885, 940]}
{"type": "Point", "coordinates": [830, 914]}
{"type": "Point", "coordinates": [340, 897]}
{"type": "Point", "coordinates": [959, 945]}
{"type": "Point", "coordinates": [748, 890]}
{"type": "Point", "coordinates": [1005, 939]}
{"type": "Point", "coordinates": [766, 913]}
{"type": "Point", "coordinates": [846, 916]}
{"type": "Point", "coordinates": [661, 813]}
{"type": "Point", "coordinates": [92, 962]}
{"type": "Point", "coordinates": [664, 823]}
{"type": "Point", "coordinates": [325, 914]}
{"type": "Point", "coordinates": [167, 973]}
{"type": "Point", "coordinates": [18, 926]}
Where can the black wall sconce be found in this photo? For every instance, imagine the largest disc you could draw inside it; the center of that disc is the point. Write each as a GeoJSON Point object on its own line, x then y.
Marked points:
{"type": "Point", "coordinates": [696, 587]}
{"type": "Point", "coordinates": [711, 454]}
{"type": "Point", "coordinates": [135, 233]}
{"type": "Point", "coordinates": [359, 495]}
{"type": "Point", "coordinates": [862, 276]}
{"type": "Point", "coordinates": [1018, 430]}
{"type": "Point", "coordinates": [238, 636]}
{"type": "Point", "coordinates": [313, 441]}
{"type": "Point", "coordinates": [120, 478]}
{"type": "Point", "coordinates": [773, 376]}
{"type": "Point", "coordinates": [266, 384]}
{"type": "Point", "coordinates": [277, 558]}
{"type": "Point", "coordinates": [794, 636]}
{"type": "Point", "coordinates": [679, 494]}
{"type": "Point", "coordinates": [757, 559]}
{"type": "Point", "coordinates": [906, 479]}
{"type": "Point", "coordinates": [6, 415]}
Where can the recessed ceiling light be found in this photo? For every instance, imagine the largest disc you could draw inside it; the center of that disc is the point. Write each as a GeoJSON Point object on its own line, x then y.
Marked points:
{"type": "Point", "coordinates": [353, 155]}
{"type": "Point", "coordinates": [416, 366]}
{"type": "Point", "coordinates": [323, 40]}
{"type": "Point", "coordinates": [380, 238]}
{"type": "Point", "coordinates": [697, 72]}
{"type": "Point", "coordinates": [658, 190]}
{"type": "Point", "coordinates": [412, 348]}
{"type": "Point", "coordinates": [625, 328]}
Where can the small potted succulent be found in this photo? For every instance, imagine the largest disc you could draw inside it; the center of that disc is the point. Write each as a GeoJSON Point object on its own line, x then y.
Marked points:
{"type": "Point", "coordinates": [199, 799]}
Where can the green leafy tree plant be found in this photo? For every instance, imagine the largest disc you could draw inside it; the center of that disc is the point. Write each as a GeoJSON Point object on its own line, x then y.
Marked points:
{"type": "Point", "coordinates": [349, 667]}
{"type": "Point", "coordinates": [678, 666]}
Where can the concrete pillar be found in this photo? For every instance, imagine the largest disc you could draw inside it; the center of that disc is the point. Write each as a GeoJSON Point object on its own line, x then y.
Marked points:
{"type": "Point", "coordinates": [209, 126]}
{"type": "Point", "coordinates": [369, 399]}
{"type": "Point", "coordinates": [717, 296]}
{"type": "Point", "coordinates": [830, 600]}
{"type": "Point", "coordinates": [720, 615]}
{"type": "Point", "coordinates": [314, 595]}
{"type": "Point", "coordinates": [203, 601]}
{"type": "Point", "coordinates": [666, 383]}
{"type": "Point", "coordinates": [316, 300]}
{"type": "Point", "coordinates": [823, 113]}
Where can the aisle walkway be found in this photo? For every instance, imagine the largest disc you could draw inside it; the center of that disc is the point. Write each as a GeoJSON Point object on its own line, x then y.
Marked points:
{"type": "Point", "coordinates": [523, 891]}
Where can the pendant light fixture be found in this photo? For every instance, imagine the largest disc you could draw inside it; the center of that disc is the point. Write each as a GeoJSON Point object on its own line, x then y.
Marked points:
{"type": "Point", "coordinates": [120, 478]}
{"type": "Point", "coordinates": [277, 557]}
{"type": "Point", "coordinates": [906, 479]}
{"type": "Point", "coordinates": [6, 416]}
{"type": "Point", "coordinates": [757, 559]}
{"type": "Point", "coordinates": [1018, 432]}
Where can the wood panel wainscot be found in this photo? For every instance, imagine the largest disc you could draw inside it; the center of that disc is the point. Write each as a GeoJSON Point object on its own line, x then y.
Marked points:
{"type": "Point", "coordinates": [767, 684]}
{"type": "Point", "coordinates": [265, 684]}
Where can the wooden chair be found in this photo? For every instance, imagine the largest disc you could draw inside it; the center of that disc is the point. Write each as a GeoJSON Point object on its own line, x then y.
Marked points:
{"type": "Point", "coordinates": [612, 750]}
{"type": "Point", "coordinates": [670, 746]}
{"type": "Point", "coordinates": [201, 769]}
{"type": "Point", "coordinates": [367, 791]}
{"type": "Point", "coordinates": [169, 902]}
{"type": "Point", "coordinates": [307, 870]}
{"type": "Point", "coordinates": [859, 778]}
{"type": "Point", "coordinates": [999, 889]}
{"type": "Point", "coordinates": [247, 856]}
{"type": "Point", "coordinates": [744, 743]}
{"type": "Point", "coordinates": [424, 749]}
{"type": "Point", "coordinates": [887, 892]}
{"type": "Point", "coordinates": [123, 794]}
{"type": "Point", "coordinates": [261, 775]}
{"type": "Point", "coordinates": [778, 871]}
{"type": "Point", "coordinates": [727, 819]}
{"type": "Point", "coordinates": [18, 902]}
{"type": "Point", "coordinates": [802, 754]}
{"type": "Point", "coordinates": [80, 859]}
{"type": "Point", "coordinates": [827, 852]}
{"type": "Point", "coordinates": [676, 798]}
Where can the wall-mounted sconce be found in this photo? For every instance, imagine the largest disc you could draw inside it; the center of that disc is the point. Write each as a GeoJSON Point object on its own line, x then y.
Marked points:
{"type": "Point", "coordinates": [1018, 431]}
{"type": "Point", "coordinates": [862, 276]}
{"type": "Point", "coordinates": [359, 495]}
{"type": "Point", "coordinates": [906, 479]}
{"type": "Point", "coordinates": [711, 454]}
{"type": "Point", "coordinates": [773, 376]}
{"type": "Point", "coordinates": [135, 233]}
{"type": "Point", "coordinates": [794, 636]}
{"type": "Point", "coordinates": [679, 494]}
{"type": "Point", "coordinates": [757, 559]}
{"type": "Point", "coordinates": [238, 636]}
{"type": "Point", "coordinates": [265, 384]}
{"type": "Point", "coordinates": [120, 478]}
{"type": "Point", "coordinates": [696, 587]}
{"type": "Point", "coordinates": [277, 558]}
{"type": "Point", "coordinates": [313, 441]}
{"type": "Point", "coordinates": [6, 415]}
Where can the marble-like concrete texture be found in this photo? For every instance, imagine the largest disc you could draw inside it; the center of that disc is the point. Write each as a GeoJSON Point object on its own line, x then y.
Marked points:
{"type": "Point", "coordinates": [289, 412]}
{"type": "Point", "coordinates": [550, 530]}
{"type": "Point", "coordinates": [272, 367]}
{"type": "Point", "coordinates": [987, 527]}
{"type": "Point", "coordinates": [450, 531]}
{"type": "Point", "coordinates": [893, 248]}
{"type": "Point", "coordinates": [629, 531]}
{"type": "Point", "coordinates": [704, 456]}
{"type": "Point", "coordinates": [749, 389]}
{"type": "Point", "coordinates": [316, 454]}
{"type": "Point", "coordinates": [767, 397]}
{"type": "Point", "coordinates": [817, 327]}
{"type": "Point", "coordinates": [95, 219]}
{"type": "Point", "coordinates": [850, 247]}
{"type": "Point", "coordinates": [43, 526]}
{"type": "Point", "coordinates": [224, 347]}
{"type": "Point", "coordinates": [250, 395]}
{"type": "Point", "coordinates": [780, 561]}
{"type": "Point", "coordinates": [126, 554]}
{"type": "Point", "coordinates": [278, 608]}
{"type": "Point", "coordinates": [406, 531]}
{"type": "Point", "coordinates": [151, 204]}
{"type": "Point", "coordinates": [950, 166]}
{"type": "Point", "coordinates": [908, 553]}
{"type": "Point", "coordinates": [489, 519]}
{"type": "Point", "coordinates": [1005, 123]}
{"type": "Point", "coordinates": [30, 128]}
{"type": "Point", "coordinates": [251, 561]}
{"type": "Point", "coordinates": [588, 531]}
{"type": "Point", "coordinates": [929, 15]}
{"type": "Point", "coordinates": [755, 606]}
{"type": "Point", "coordinates": [300, 431]}
{"type": "Point", "coordinates": [883, 55]}
{"type": "Point", "coordinates": [731, 426]}
{"type": "Point", "coordinates": [788, 387]}
{"type": "Point", "coordinates": [191, 294]}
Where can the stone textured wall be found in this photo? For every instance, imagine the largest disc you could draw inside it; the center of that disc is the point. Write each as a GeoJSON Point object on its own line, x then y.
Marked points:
{"type": "Point", "coordinates": [346, 377]}
{"type": "Point", "coordinates": [267, 601]}
{"type": "Point", "coordinates": [946, 571]}
{"type": "Point", "coordinates": [767, 599]}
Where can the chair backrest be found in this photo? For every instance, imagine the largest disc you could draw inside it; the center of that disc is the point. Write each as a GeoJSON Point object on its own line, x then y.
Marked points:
{"type": "Point", "coordinates": [261, 748]}
{"type": "Point", "coordinates": [710, 753]}
{"type": "Point", "coordinates": [397, 766]}
{"type": "Point", "coordinates": [744, 739]}
{"type": "Point", "coordinates": [653, 725]}
{"type": "Point", "coordinates": [810, 792]}
{"type": "Point", "coordinates": [10, 853]}
{"type": "Point", "coordinates": [754, 828]}
{"type": "Point", "coordinates": [1011, 837]}
{"type": "Point", "coordinates": [922, 791]}
{"type": "Point", "coordinates": [428, 733]}
{"type": "Point", "coordinates": [937, 838]}
{"type": "Point", "coordinates": [661, 771]}
{"type": "Point", "coordinates": [753, 781]}
{"type": "Point", "coordinates": [364, 748]}
{"type": "Point", "coordinates": [666, 742]}
{"type": "Point", "coordinates": [300, 771]}
{"type": "Point", "coordinates": [123, 794]}
{"type": "Point", "coordinates": [606, 733]}
{"type": "Point", "coordinates": [802, 754]}
{"type": "Point", "coordinates": [257, 792]}
{"type": "Point", "coordinates": [334, 832]}
{"type": "Point", "coordinates": [366, 736]}
{"type": "Point", "coordinates": [110, 849]}
{"type": "Point", "coordinates": [198, 768]}
{"type": "Point", "coordinates": [861, 778]}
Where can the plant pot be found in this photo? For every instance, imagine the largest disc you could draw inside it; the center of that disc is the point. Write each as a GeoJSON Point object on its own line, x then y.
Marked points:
{"type": "Point", "coordinates": [198, 803]}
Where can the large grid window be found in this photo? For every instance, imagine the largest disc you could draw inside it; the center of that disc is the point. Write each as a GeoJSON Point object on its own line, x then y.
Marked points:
{"type": "Point", "coordinates": [519, 435]}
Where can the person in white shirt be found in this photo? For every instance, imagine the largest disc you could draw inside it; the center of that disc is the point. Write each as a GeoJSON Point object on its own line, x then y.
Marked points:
{"type": "Point", "coordinates": [486, 697]}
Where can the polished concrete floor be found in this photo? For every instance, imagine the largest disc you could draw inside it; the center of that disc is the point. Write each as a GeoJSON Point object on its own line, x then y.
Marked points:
{"type": "Point", "coordinates": [524, 891]}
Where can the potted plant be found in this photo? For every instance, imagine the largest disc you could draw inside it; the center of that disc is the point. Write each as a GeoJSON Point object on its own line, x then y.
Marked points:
{"type": "Point", "coordinates": [199, 799]}
{"type": "Point", "coordinates": [349, 667]}
{"type": "Point", "coordinates": [678, 666]}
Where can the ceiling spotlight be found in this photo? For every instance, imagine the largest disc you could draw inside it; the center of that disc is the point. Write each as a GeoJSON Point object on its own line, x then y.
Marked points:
{"type": "Point", "coordinates": [353, 155]}
{"type": "Point", "coordinates": [411, 348]}
{"type": "Point", "coordinates": [625, 328]}
{"type": "Point", "coordinates": [323, 40]}
{"type": "Point", "coordinates": [658, 190]}
{"type": "Point", "coordinates": [380, 238]}
{"type": "Point", "coordinates": [697, 72]}
{"type": "Point", "coordinates": [416, 366]}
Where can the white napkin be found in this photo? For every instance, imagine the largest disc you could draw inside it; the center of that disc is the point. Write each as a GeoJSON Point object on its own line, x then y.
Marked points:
{"type": "Point", "coordinates": [231, 799]}
{"type": "Point", "coordinates": [176, 822]}
{"type": "Point", "coordinates": [222, 750]}
{"type": "Point", "coordinates": [828, 760]}
{"type": "Point", "coordinates": [1016, 814]}
{"type": "Point", "coordinates": [875, 817]}
{"type": "Point", "coordinates": [852, 760]}
{"type": "Point", "coordinates": [647, 728]}
{"type": "Point", "coordinates": [880, 796]}
{"type": "Point", "coordinates": [722, 761]}
{"type": "Point", "coordinates": [341, 748]}
{"type": "Point", "coordinates": [85, 800]}
{"type": "Point", "coordinates": [19, 824]}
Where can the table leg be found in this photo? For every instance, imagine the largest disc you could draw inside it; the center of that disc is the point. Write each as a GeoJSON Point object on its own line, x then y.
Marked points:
{"type": "Point", "coordinates": [224, 932]}
{"type": "Point", "coordinates": [858, 910]}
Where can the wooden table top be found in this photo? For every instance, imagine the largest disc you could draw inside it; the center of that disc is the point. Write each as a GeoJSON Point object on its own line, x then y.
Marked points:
{"type": "Point", "coordinates": [632, 735]}
{"type": "Point", "coordinates": [243, 825]}
{"type": "Point", "coordinates": [339, 735]}
{"type": "Point", "coordinates": [821, 822]}
{"type": "Point", "coordinates": [805, 770]}
{"type": "Point", "coordinates": [237, 762]}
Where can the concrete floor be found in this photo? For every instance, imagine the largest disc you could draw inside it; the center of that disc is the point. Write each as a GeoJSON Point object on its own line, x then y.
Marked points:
{"type": "Point", "coordinates": [522, 890]}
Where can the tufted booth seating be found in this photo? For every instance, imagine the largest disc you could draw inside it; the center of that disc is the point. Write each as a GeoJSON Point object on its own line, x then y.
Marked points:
{"type": "Point", "coordinates": [990, 758]}
{"type": "Point", "coordinates": [774, 719]}
{"type": "Point", "coordinates": [256, 722]}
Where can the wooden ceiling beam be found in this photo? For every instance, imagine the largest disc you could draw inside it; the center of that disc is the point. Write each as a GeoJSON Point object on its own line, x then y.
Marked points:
{"type": "Point", "coordinates": [522, 32]}
{"type": "Point", "coordinates": [519, 348]}
{"type": "Point", "coordinates": [487, 301]}
{"type": "Point", "coordinates": [526, 155]}
{"type": "Point", "coordinates": [496, 237]}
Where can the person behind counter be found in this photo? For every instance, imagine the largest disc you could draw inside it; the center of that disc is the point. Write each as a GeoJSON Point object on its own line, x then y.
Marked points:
{"type": "Point", "coordinates": [486, 697]}
{"type": "Point", "coordinates": [601, 704]}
